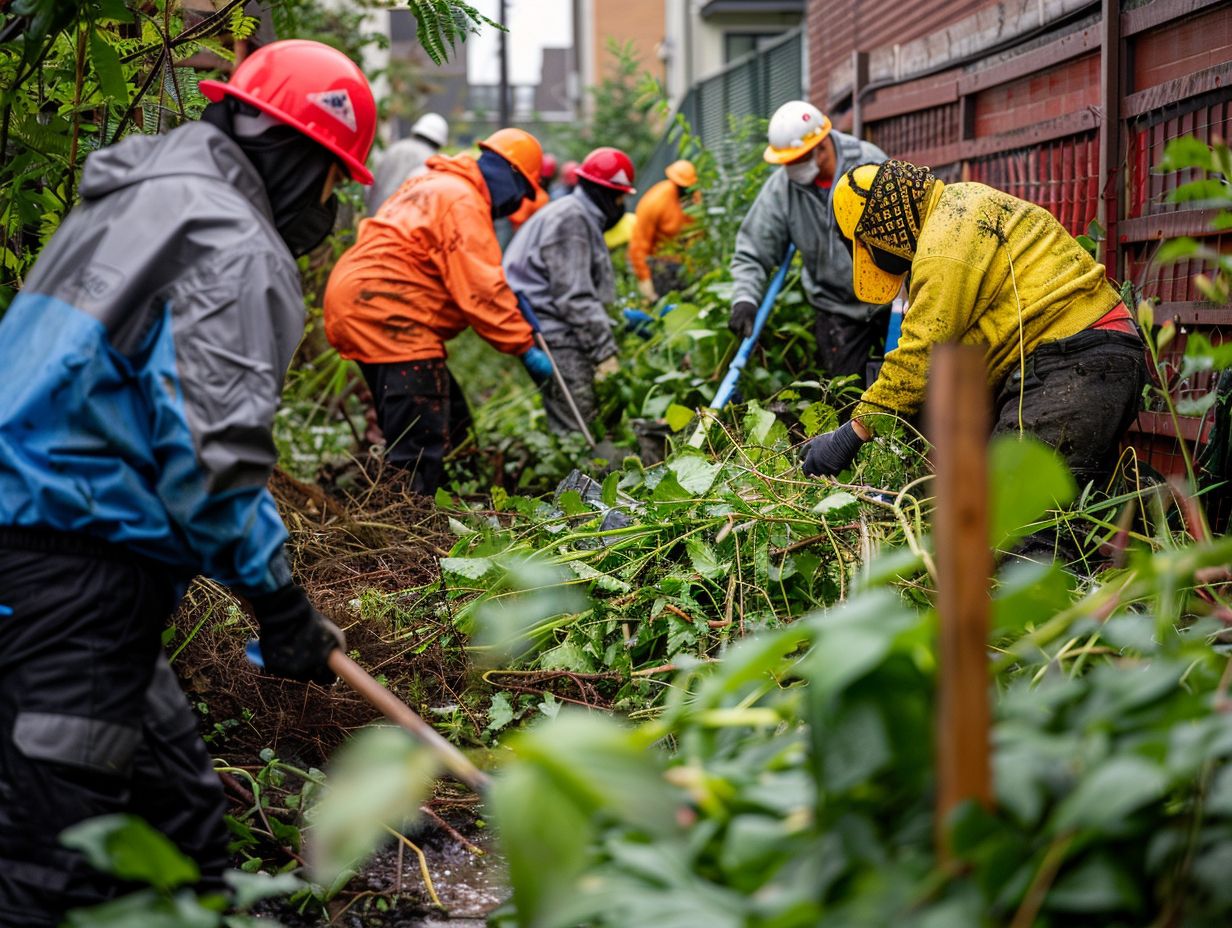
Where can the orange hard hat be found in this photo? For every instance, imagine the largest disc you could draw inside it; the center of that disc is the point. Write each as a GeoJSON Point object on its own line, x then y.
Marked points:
{"type": "Point", "coordinates": [312, 88]}
{"type": "Point", "coordinates": [519, 148]}
{"type": "Point", "coordinates": [682, 173]}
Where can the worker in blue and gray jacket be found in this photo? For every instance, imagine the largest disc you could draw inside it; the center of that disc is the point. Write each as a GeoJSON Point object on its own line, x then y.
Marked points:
{"type": "Point", "coordinates": [794, 207]}
{"type": "Point", "coordinates": [143, 363]}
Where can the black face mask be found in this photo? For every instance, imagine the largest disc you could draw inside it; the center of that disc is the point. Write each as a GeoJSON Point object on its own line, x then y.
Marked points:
{"type": "Point", "coordinates": [506, 186]}
{"type": "Point", "coordinates": [610, 202]}
{"type": "Point", "coordinates": [293, 169]}
{"type": "Point", "coordinates": [891, 264]}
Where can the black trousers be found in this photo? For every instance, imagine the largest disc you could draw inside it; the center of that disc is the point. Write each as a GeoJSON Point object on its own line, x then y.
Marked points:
{"type": "Point", "coordinates": [845, 345]}
{"type": "Point", "coordinates": [1078, 395]}
{"type": "Point", "coordinates": [92, 722]}
{"type": "Point", "coordinates": [423, 414]}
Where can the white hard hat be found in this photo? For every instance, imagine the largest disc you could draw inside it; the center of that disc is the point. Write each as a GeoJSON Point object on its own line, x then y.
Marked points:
{"type": "Point", "coordinates": [796, 128]}
{"type": "Point", "coordinates": [432, 126]}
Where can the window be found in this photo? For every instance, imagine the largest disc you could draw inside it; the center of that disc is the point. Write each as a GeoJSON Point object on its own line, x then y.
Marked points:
{"type": "Point", "coordinates": [737, 44]}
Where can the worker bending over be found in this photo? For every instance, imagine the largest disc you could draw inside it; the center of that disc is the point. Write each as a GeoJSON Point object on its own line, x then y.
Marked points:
{"type": "Point", "coordinates": [794, 207]}
{"type": "Point", "coordinates": [145, 357]}
{"type": "Point", "coordinates": [660, 219]}
{"type": "Point", "coordinates": [560, 263]}
{"type": "Point", "coordinates": [425, 268]}
{"type": "Point", "coordinates": [1063, 354]}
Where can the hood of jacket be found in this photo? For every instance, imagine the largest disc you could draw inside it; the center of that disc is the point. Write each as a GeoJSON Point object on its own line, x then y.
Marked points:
{"type": "Point", "coordinates": [197, 149]}
{"type": "Point", "coordinates": [465, 167]}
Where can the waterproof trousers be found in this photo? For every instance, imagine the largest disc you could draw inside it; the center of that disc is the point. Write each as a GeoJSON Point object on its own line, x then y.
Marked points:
{"type": "Point", "coordinates": [92, 722]}
{"type": "Point", "coordinates": [423, 413]}
{"type": "Point", "coordinates": [1079, 395]}
{"type": "Point", "coordinates": [845, 345]}
{"type": "Point", "coordinates": [578, 371]}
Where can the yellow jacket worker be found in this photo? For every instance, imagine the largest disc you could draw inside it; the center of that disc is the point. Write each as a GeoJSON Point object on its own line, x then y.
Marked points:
{"type": "Point", "coordinates": [988, 269]}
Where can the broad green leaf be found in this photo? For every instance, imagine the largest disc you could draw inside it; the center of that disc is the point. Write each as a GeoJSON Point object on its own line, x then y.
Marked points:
{"type": "Point", "coordinates": [500, 712]}
{"type": "Point", "coordinates": [127, 847]}
{"type": "Point", "coordinates": [1110, 793]}
{"type": "Point", "coordinates": [751, 842]}
{"type": "Point", "coordinates": [695, 474]}
{"type": "Point", "coordinates": [1185, 152]}
{"type": "Point", "coordinates": [473, 568]}
{"type": "Point", "coordinates": [818, 418]}
{"type": "Point", "coordinates": [852, 639]}
{"type": "Point", "coordinates": [1030, 593]}
{"type": "Point", "coordinates": [1209, 189]}
{"type": "Point", "coordinates": [704, 560]}
{"type": "Point", "coordinates": [1201, 355]}
{"type": "Point", "coordinates": [1196, 405]}
{"type": "Point", "coordinates": [837, 507]}
{"type": "Point", "coordinates": [108, 68]}
{"type": "Point", "coordinates": [380, 778]}
{"type": "Point", "coordinates": [250, 888]}
{"type": "Point", "coordinates": [1177, 249]}
{"type": "Point", "coordinates": [147, 909]}
{"type": "Point", "coordinates": [443, 499]}
{"type": "Point", "coordinates": [678, 416]}
{"type": "Point", "coordinates": [757, 424]}
{"type": "Point", "coordinates": [1027, 479]}
{"type": "Point", "coordinates": [1099, 884]}
{"type": "Point", "coordinates": [611, 489]}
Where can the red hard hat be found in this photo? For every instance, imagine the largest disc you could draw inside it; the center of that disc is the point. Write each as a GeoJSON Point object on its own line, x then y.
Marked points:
{"type": "Point", "coordinates": [547, 169]}
{"type": "Point", "coordinates": [313, 88]}
{"type": "Point", "coordinates": [568, 172]}
{"type": "Point", "coordinates": [609, 167]}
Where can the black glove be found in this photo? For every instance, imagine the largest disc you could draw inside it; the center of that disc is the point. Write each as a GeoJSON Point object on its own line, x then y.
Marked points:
{"type": "Point", "coordinates": [296, 640]}
{"type": "Point", "coordinates": [743, 312]}
{"type": "Point", "coordinates": [832, 452]}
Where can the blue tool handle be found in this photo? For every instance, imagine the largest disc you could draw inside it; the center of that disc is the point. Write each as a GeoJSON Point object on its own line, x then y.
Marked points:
{"type": "Point", "coordinates": [728, 386]}
{"type": "Point", "coordinates": [528, 312]}
{"type": "Point", "coordinates": [252, 651]}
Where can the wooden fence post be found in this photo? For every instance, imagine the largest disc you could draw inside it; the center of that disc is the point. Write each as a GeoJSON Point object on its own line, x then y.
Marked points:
{"type": "Point", "coordinates": [958, 427]}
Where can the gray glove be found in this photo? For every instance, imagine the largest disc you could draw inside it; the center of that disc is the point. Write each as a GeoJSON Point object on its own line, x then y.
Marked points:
{"type": "Point", "coordinates": [743, 312]}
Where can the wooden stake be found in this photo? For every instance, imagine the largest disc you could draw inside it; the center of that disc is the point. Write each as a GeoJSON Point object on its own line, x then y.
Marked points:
{"type": "Point", "coordinates": [958, 428]}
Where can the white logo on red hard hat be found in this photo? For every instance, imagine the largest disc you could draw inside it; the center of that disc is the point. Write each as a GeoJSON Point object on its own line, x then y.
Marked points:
{"type": "Point", "coordinates": [620, 177]}
{"type": "Point", "coordinates": [338, 104]}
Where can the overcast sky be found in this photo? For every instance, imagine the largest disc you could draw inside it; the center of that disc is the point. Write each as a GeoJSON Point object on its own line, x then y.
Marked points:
{"type": "Point", "coordinates": [533, 25]}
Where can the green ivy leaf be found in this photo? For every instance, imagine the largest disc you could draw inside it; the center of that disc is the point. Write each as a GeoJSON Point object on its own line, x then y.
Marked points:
{"type": "Point", "coordinates": [500, 712]}
{"type": "Point", "coordinates": [678, 416]}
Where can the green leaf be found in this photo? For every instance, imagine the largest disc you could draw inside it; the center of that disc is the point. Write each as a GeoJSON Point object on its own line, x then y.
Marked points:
{"type": "Point", "coordinates": [1110, 793]}
{"type": "Point", "coordinates": [1177, 249]}
{"type": "Point", "coordinates": [380, 778]}
{"type": "Point", "coordinates": [127, 847]}
{"type": "Point", "coordinates": [500, 712]}
{"type": "Point", "coordinates": [1196, 405]}
{"type": "Point", "coordinates": [678, 416]}
{"type": "Point", "coordinates": [1186, 152]}
{"type": "Point", "coordinates": [443, 499]}
{"type": "Point", "coordinates": [1027, 478]}
{"type": "Point", "coordinates": [757, 424]}
{"type": "Point", "coordinates": [1201, 355]}
{"type": "Point", "coordinates": [695, 474]}
{"type": "Point", "coordinates": [1030, 593]}
{"type": "Point", "coordinates": [837, 507]}
{"type": "Point", "coordinates": [250, 888]}
{"type": "Point", "coordinates": [107, 66]}
{"type": "Point", "coordinates": [611, 489]}
{"type": "Point", "coordinates": [852, 639]}
{"type": "Point", "coordinates": [1098, 885]}
{"type": "Point", "coordinates": [704, 560]}
{"type": "Point", "coordinates": [1210, 189]}
{"type": "Point", "coordinates": [473, 568]}
{"type": "Point", "coordinates": [818, 418]}
{"type": "Point", "coordinates": [146, 909]}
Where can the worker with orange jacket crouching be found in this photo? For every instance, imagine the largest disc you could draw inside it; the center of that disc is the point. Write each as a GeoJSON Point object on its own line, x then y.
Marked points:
{"type": "Point", "coordinates": [425, 268]}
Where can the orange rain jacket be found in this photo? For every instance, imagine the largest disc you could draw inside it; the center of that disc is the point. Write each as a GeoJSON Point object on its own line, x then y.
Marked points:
{"type": "Point", "coordinates": [424, 268]}
{"type": "Point", "coordinates": [659, 217]}
{"type": "Point", "coordinates": [529, 208]}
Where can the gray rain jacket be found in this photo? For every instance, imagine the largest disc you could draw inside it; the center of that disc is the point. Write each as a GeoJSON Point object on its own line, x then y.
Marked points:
{"type": "Point", "coordinates": [559, 261]}
{"type": "Point", "coordinates": [144, 361]}
{"type": "Point", "coordinates": [785, 212]}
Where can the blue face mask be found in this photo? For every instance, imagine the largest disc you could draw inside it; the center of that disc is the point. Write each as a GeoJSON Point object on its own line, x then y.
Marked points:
{"type": "Point", "coordinates": [506, 186]}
